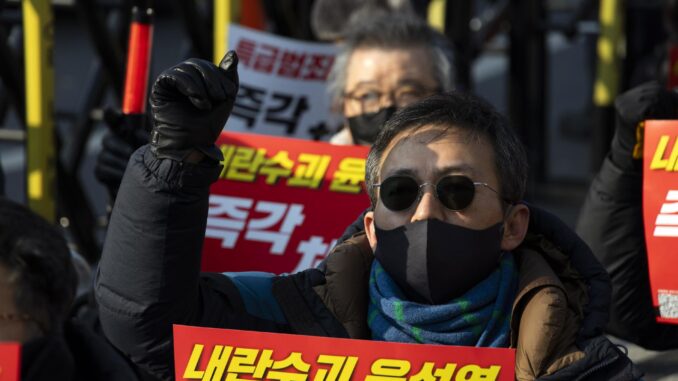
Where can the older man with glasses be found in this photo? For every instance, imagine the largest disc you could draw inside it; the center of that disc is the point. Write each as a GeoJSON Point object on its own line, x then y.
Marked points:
{"type": "Point", "coordinates": [387, 61]}
{"type": "Point", "coordinates": [446, 257]}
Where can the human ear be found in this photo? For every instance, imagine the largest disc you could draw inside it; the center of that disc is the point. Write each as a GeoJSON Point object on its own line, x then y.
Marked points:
{"type": "Point", "coordinates": [515, 227]}
{"type": "Point", "coordinates": [370, 230]}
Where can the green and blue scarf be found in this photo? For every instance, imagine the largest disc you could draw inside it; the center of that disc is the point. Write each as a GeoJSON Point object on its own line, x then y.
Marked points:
{"type": "Point", "coordinates": [478, 318]}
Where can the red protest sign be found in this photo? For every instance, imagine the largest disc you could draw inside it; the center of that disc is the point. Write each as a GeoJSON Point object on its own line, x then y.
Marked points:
{"type": "Point", "coordinates": [216, 354]}
{"type": "Point", "coordinates": [660, 209]}
{"type": "Point", "coordinates": [9, 361]}
{"type": "Point", "coordinates": [280, 204]}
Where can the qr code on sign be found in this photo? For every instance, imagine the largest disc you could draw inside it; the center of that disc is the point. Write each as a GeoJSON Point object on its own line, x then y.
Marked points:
{"type": "Point", "coordinates": [668, 304]}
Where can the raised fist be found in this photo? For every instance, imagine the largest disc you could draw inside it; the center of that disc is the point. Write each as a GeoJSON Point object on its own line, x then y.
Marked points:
{"type": "Point", "coordinates": [647, 101]}
{"type": "Point", "coordinates": [190, 104]}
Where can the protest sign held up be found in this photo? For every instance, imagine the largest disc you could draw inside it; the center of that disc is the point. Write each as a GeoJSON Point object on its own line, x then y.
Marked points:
{"type": "Point", "coordinates": [217, 354]}
{"type": "Point", "coordinates": [9, 361]}
{"type": "Point", "coordinates": [280, 204]}
{"type": "Point", "coordinates": [660, 209]}
{"type": "Point", "coordinates": [282, 84]}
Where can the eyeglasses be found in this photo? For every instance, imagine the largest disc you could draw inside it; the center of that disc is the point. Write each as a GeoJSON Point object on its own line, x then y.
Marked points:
{"type": "Point", "coordinates": [455, 192]}
{"type": "Point", "coordinates": [371, 99]}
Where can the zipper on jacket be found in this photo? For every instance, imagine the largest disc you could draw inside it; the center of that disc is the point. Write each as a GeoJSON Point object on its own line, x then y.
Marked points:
{"type": "Point", "coordinates": [597, 367]}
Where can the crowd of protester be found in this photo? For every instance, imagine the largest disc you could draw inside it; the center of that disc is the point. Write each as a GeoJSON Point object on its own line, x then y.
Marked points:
{"type": "Point", "coordinates": [443, 165]}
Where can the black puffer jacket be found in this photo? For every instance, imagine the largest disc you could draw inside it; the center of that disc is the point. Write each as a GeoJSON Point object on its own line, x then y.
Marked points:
{"type": "Point", "coordinates": [149, 278]}
{"type": "Point", "coordinates": [611, 219]}
{"type": "Point", "coordinates": [76, 354]}
{"type": "Point", "coordinates": [611, 223]}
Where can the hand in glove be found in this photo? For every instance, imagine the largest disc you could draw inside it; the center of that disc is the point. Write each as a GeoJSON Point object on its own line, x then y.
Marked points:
{"type": "Point", "coordinates": [190, 104]}
{"type": "Point", "coordinates": [647, 101]}
{"type": "Point", "coordinates": [126, 134]}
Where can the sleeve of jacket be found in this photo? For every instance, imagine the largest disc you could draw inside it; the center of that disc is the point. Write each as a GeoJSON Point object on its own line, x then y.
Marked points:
{"type": "Point", "coordinates": [149, 274]}
{"type": "Point", "coordinates": [611, 223]}
{"type": "Point", "coordinates": [596, 312]}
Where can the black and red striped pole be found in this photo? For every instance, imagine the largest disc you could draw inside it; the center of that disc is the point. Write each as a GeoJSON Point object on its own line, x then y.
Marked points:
{"type": "Point", "coordinates": [138, 59]}
{"type": "Point", "coordinates": [128, 126]}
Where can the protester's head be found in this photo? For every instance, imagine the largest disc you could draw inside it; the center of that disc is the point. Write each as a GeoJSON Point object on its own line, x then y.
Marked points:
{"type": "Point", "coordinates": [446, 173]}
{"type": "Point", "coordinates": [330, 18]}
{"type": "Point", "coordinates": [387, 61]}
{"type": "Point", "coordinates": [36, 272]}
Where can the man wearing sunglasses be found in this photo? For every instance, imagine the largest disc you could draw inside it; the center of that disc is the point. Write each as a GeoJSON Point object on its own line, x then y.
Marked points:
{"type": "Point", "coordinates": [446, 257]}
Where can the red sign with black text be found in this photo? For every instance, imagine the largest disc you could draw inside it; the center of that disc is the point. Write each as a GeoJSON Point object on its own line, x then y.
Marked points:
{"type": "Point", "coordinates": [218, 354]}
{"type": "Point", "coordinates": [660, 209]}
{"type": "Point", "coordinates": [10, 364]}
{"type": "Point", "coordinates": [280, 204]}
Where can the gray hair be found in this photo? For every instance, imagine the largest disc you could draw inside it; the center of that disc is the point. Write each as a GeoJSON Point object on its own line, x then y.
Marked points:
{"type": "Point", "coordinates": [391, 30]}
{"type": "Point", "coordinates": [467, 112]}
{"type": "Point", "coordinates": [330, 18]}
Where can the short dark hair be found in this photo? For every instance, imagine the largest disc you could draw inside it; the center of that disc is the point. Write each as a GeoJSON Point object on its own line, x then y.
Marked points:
{"type": "Point", "coordinates": [468, 113]}
{"type": "Point", "coordinates": [393, 30]}
{"type": "Point", "coordinates": [38, 260]}
{"type": "Point", "coordinates": [330, 19]}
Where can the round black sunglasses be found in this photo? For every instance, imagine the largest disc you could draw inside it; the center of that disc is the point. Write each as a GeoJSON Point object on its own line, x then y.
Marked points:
{"type": "Point", "coordinates": [455, 192]}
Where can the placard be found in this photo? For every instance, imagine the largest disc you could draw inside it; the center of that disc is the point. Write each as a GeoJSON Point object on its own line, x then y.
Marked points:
{"type": "Point", "coordinates": [280, 204]}
{"type": "Point", "coordinates": [10, 365]}
{"type": "Point", "coordinates": [283, 85]}
{"type": "Point", "coordinates": [224, 354]}
{"type": "Point", "coordinates": [660, 209]}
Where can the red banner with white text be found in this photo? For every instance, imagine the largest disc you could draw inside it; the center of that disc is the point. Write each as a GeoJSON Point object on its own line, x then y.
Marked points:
{"type": "Point", "coordinates": [223, 354]}
{"type": "Point", "coordinates": [280, 204]}
{"type": "Point", "coordinates": [660, 209]}
{"type": "Point", "coordinates": [10, 361]}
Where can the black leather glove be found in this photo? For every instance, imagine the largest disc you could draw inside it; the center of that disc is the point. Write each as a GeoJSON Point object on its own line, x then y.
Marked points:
{"type": "Point", "coordinates": [127, 133]}
{"type": "Point", "coordinates": [647, 101]}
{"type": "Point", "coordinates": [190, 104]}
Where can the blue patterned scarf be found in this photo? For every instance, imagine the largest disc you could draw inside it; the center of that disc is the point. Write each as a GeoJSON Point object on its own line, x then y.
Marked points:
{"type": "Point", "coordinates": [478, 318]}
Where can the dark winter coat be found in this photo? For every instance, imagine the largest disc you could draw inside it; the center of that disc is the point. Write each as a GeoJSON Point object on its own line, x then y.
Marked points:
{"type": "Point", "coordinates": [76, 354]}
{"type": "Point", "coordinates": [611, 223]}
{"type": "Point", "coordinates": [149, 278]}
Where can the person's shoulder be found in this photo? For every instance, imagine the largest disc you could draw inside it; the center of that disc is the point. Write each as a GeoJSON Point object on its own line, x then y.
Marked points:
{"type": "Point", "coordinates": [601, 360]}
{"type": "Point", "coordinates": [342, 138]}
{"type": "Point", "coordinates": [102, 361]}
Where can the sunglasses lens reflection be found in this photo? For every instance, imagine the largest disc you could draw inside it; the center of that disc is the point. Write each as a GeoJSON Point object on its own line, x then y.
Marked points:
{"type": "Point", "coordinates": [455, 192]}
{"type": "Point", "coordinates": [400, 192]}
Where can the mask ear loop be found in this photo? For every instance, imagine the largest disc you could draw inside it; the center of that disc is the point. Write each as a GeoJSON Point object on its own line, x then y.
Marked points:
{"type": "Point", "coordinates": [503, 224]}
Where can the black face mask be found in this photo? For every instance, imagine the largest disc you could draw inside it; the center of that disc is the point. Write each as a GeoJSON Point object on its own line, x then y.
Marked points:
{"type": "Point", "coordinates": [434, 262]}
{"type": "Point", "coordinates": [365, 127]}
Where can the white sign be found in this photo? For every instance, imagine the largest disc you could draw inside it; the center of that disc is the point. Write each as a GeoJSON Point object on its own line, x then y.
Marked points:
{"type": "Point", "coordinates": [283, 85]}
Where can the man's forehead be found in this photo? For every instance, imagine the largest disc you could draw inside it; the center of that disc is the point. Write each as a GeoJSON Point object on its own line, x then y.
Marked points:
{"type": "Point", "coordinates": [425, 136]}
{"type": "Point", "coordinates": [428, 134]}
{"type": "Point", "coordinates": [412, 170]}
{"type": "Point", "coordinates": [394, 63]}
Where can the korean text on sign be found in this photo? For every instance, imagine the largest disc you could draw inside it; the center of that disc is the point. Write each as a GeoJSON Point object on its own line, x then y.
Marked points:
{"type": "Point", "coordinates": [280, 204]}
{"type": "Point", "coordinates": [224, 354]}
{"type": "Point", "coordinates": [660, 213]}
{"type": "Point", "coordinates": [283, 85]}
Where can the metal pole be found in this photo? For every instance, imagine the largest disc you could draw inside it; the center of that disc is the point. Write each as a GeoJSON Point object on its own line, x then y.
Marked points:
{"type": "Point", "coordinates": [527, 83]}
{"type": "Point", "coordinates": [196, 27]}
{"type": "Point", "coordinates": [223, 15]}
{"type": "Point", "coordinates": [607, 84]}
{"type": "Point", "coordinates": [39, 73]}
{"type": "Point", "coordinates": [457, 20]}
{"type": "Point", "coordinates": [436, 14]}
